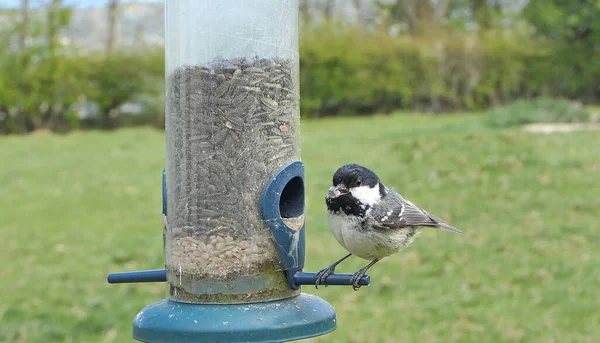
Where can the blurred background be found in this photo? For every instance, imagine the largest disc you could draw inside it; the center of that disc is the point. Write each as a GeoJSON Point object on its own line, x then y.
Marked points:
{"type": "Point", "coordinates": [482, 111]}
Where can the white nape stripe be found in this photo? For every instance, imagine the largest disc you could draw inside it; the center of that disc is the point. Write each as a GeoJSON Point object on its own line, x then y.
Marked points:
{"type": "Point", "coordinates": [366, 194]}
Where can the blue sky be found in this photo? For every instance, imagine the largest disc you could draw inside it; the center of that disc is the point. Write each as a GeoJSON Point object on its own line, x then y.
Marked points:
{"type": "Point", "coordinates": [80, 3]}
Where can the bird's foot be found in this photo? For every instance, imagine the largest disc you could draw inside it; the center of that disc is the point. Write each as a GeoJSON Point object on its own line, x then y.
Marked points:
{"type": "Point", "coordinates": [323, 274]}
{"type": "Point", "coordinates": [357, 277]}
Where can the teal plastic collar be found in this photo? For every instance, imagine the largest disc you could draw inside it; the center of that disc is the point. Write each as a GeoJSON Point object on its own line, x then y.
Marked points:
{"type": "Point", "coordinates": [299, 317]}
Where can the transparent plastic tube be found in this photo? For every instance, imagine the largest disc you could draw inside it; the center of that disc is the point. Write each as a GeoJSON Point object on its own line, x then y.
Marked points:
{"type": "Point", "coordinates": [232, 120]}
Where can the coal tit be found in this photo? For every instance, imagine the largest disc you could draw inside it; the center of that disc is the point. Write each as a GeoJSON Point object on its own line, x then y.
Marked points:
{"type": "Point", "coordinates": [370, 220]}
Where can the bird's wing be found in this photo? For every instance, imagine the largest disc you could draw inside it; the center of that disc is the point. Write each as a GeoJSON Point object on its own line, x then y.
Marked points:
{"type": "Point", "coordinates": [407, 214]}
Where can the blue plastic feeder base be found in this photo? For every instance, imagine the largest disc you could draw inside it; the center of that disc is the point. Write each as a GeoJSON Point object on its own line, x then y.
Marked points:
{"type": "Point", "coordinates": [299, 317]}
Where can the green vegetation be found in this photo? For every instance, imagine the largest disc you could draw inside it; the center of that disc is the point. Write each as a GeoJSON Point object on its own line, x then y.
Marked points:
{"type": "Point", "coordinates": [438, 56]}
{"type": "Point", "coordinates": [346, 70]}
{"type": "Point", "coordinates": [542, 110]}
{"type": "Point", "coordinates": [45, 84]}
{"type": "Point", "coordinates": [77, 206]}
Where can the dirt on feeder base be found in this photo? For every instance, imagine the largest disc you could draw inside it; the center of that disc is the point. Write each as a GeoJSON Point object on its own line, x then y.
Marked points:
{"type": "Point", "coordinates": [212, 270]}
{"type": "Point", "coordinates": [278, 289]}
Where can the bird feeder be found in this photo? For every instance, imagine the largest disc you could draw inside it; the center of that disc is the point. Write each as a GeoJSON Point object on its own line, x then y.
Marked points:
{"type": "Point", "coordinates": [233, 185]}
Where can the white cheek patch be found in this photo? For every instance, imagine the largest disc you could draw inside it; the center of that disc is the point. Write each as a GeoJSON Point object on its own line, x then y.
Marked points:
{"type": "Point", "coordinates": [366, 194]}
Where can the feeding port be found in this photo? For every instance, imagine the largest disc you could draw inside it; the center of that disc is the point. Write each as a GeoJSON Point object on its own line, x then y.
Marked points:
{"type": "Point", "coordinates": [232, 121]}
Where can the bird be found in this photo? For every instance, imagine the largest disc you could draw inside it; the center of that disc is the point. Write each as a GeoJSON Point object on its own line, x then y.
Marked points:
{"type": "Point", "coordinates": [370, 220]}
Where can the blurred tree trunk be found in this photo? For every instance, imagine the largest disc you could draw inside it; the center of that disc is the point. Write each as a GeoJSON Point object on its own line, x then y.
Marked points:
{"type": "Point", "coordinates": [361, 13]}
{"type": "Point", "coordinates": [23, 117]}
{"type": "Point", "coordinates": [328, 8]}
{"type": "Point", "coordinates": [52, 117]}
{"type": "Point", "coordinates": [305, 12]}
{"type": "Point", "coordinates": [106, 121]}
{"type": "Point", "coordinates": [24, 25]}
{"type": "Point", "coordinates": [112, 14]}
{"type": "Point", "coordinates": [53, 25]}
{"type": "Point", "coordinates": [484, 11]}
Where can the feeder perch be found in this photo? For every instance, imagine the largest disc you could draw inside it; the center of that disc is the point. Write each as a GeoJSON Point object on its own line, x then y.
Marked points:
{"type": "Point", "coordinates": [233, 187]}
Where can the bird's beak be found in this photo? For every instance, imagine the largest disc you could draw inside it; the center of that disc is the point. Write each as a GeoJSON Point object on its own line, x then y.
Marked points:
{"type": "Point", "coordinates": [338, 190]}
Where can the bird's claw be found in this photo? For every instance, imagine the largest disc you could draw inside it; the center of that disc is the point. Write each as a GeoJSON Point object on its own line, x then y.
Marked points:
{"type": "Point", "coordinates": [357, 277]}
{"type": "Point", "coordinates": [322, 275]}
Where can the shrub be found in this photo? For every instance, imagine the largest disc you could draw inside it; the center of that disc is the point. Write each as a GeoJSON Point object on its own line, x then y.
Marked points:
{"type": "Point", "coordinates": [348, 70]}
{"type": "Point", "coordinates": [539, 110]}
{"type": "Point", "coordinates": [345, 70]}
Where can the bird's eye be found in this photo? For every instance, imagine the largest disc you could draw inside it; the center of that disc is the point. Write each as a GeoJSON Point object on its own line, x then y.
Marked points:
{"type": "Point", "coordinates": [358, 182]}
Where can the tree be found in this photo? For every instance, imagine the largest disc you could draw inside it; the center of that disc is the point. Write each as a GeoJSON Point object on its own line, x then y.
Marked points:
{"type": "Point", "coordinates": [112, 10]}
{"type": "Point", "coordinates": [419, 16]}
{"type": "Point", "coordinates": [305, 12]}
{"type": "Point", "coordinates": [54, 71]}
{"type": "Point", "coordinates": [114, 80]}
{"type": "Point", "coordinates": [564, 19]}
{"type": "Point", "coordinates": [484, 12]}
{"type": "Point", "coordinates": [571, 29]}
{"type": "Point", "coordinates": [40, 77]}
{"type": "Point", "coordinates": [23, 29]}
{"type": "Point", "coordinates": [328, 8]}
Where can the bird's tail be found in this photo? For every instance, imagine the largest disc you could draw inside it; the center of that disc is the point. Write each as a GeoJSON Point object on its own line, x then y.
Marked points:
{"type": "Point", "coordinates": [446, 227]}
{"type": "Point", "coordinates": [442, 225]}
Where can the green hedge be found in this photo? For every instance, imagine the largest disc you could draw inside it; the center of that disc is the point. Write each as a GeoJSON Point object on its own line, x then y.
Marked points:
{"type": "Point", "coordinates": [344, 71]}
{"type": "Point", "coordinates": [348, 71]}
{"type": "Point", "coordinates": [45, 94]}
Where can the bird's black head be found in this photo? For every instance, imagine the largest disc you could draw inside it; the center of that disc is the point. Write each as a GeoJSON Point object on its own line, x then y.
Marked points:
{"type": "Point", "coordinates": [354, 175]}
{"type": "Point", "coordinates": [355, 189]}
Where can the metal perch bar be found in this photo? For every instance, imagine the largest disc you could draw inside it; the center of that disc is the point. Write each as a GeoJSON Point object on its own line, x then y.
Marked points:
{"type": "Point", "coordinates": [300, 278]}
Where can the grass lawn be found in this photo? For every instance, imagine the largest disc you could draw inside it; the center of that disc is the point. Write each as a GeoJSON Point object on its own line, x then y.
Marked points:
{"type": "Point", "coordinates": [74, 208]}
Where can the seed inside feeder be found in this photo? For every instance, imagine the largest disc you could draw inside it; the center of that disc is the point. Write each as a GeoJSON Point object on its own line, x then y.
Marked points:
{"type": "Point", "coordinates": [234, 123]}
